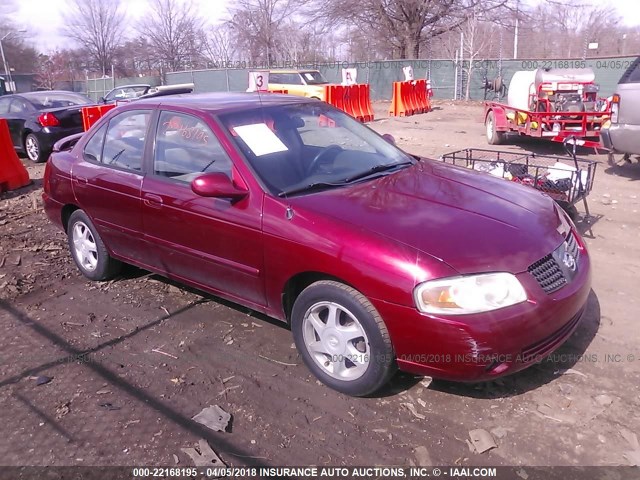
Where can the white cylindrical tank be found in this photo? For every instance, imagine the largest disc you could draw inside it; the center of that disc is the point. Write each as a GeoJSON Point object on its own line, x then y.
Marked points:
{"type": "Point", "coordinates": [521, 85]}
{"type": "Point", "coordinates": [564, 75]}
{"type": "Point", "coordinates": [526, 82]}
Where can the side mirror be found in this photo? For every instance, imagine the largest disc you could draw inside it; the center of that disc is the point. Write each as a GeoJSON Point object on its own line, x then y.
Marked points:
{"type": "Point", "coordinates": [389, 138]}
{"type": "Point", "coordinates": [216, 185]}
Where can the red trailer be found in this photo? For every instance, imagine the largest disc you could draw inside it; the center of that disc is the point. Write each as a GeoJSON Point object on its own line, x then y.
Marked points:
{"type": "Point", "coordinates": [554, 104]}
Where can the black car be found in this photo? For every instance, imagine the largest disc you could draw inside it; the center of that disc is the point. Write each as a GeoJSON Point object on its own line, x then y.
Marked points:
{"type": "Point", "coordinates": [39, 119]}
{"type": "Point", "coordinates": [125, 92]}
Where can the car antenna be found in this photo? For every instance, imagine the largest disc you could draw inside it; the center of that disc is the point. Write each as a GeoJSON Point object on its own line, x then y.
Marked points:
{"type": "Point", "coordinates": [264, 120]}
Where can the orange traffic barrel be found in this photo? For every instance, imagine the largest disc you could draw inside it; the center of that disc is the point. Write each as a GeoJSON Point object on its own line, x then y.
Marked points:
{"type": "Point", "coordinates": [13, 175]}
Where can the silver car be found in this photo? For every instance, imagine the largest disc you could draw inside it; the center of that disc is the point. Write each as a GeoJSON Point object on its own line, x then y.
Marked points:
{"type": "Point", "coordinates": [622, 134]}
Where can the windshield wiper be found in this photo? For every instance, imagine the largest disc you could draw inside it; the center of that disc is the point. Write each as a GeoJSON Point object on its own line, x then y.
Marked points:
{"type": "Point", "coordinates": [309, 187]}
{"type": "Point", "coordinates": [376, 169]}
{"type": "Point", "coordinates": [317, 185]}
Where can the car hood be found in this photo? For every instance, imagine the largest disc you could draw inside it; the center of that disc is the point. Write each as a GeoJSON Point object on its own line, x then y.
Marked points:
{"type": "Point", "coordinates": [472, 221]}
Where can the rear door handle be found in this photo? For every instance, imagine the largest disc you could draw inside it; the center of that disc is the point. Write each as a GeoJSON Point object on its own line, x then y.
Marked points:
{"type": "Point", "coordinates": [153, 201]}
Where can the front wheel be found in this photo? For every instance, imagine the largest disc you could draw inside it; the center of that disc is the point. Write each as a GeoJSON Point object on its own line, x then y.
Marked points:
{"type": "Point", "coordinates": [342, 338]}
{"type": "Point", "coordinates": [494, 137]}
{"type": "Point", "coordinates": [88, 250]}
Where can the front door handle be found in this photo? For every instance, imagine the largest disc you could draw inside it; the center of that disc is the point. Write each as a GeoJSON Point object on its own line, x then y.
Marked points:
{"type": "Point", "coordinates": [81, 181]}
{"type": "Point", "coordinates": [153, 201]}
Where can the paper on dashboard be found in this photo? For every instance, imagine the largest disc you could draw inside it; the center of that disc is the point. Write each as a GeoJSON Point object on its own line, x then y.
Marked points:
{"type": "Point", "coordinates": [260, 139]}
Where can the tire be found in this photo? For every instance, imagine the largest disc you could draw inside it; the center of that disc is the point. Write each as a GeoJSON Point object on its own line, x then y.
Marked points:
{"type": "Point", "coordinates": [33, 149]}
{"type": "Point", "coordinates": [493, 136]}
{"type": "Point", "coordinates": [355, 356]}
{"type": "Point", "coordinates": [88, 250]}
{"type": "Point", "coordinates": [570, 209]}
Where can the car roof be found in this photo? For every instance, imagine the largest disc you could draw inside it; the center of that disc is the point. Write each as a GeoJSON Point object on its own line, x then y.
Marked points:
{"type": "Point", "coordinates": [45, 92]}
{"type": "Point", "coordinates": [220, 102]}
{"type": "Point", "coordinates": [30, 95]}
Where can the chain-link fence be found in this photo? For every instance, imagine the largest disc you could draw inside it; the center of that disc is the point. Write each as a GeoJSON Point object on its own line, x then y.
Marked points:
{"type": "Point", "coordinates": [448, 78]}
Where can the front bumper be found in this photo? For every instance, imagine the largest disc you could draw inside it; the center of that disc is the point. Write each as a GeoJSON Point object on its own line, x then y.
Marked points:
{"type": "Point", "coordinates": [485, 346]}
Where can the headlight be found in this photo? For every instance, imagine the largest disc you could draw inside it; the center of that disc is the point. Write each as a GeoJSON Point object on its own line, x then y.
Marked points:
{"type": "Point", "coordinates": [565, 221]}
{"type": "Point", "coordinates": [469, 294]}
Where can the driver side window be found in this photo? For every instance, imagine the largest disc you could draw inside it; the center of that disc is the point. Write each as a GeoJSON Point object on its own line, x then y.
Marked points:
{"type": "Point", "coordinates": [186, 148]}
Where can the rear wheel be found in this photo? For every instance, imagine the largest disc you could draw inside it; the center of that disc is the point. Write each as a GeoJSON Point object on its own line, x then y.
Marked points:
{"type": "Point", "coordinates": [342, 338]}
{"type": "Point", "coordinates": [33, 149]}
{"type": "Point", "coordinates": [494, 137]}
{"type": "Point", "coordinates": [88, 250]}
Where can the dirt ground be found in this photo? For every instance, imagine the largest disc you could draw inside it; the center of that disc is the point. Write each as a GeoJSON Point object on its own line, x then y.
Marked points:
{"type": "Point", "coordinates": [131, 361]}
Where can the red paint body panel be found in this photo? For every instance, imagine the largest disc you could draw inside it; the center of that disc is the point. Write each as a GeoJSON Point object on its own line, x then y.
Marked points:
{"type": "Point", "coordinates": [382, 237]}
{"type": "Point", "coordinates": [221, 249]}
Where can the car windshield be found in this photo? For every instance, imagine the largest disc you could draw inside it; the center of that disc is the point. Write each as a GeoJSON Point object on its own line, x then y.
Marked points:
{"type": "Point", "coordinates": [313, 78]}
{"type": "Point", "coordinates": [303, 147]}
{"type": "Point", "coordinates": [46, 100]}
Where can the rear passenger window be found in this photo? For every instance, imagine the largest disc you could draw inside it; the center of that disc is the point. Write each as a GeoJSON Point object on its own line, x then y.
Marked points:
{"type": "Point", "coordinates": [276, 78]}
{"type": "Point", "coordinates": [93, 149]}
{"type": "Point", "coordinates": [292, 79]}
{"type": "Point", "coordinates": [186, 148]}
{"type": "Point", "coordinates": [18, 106]}
{"type": "Point", "coordinates": [124, 142]}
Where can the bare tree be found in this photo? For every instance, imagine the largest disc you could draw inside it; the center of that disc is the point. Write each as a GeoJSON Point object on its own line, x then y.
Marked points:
{"type": "Point", "coordinates": [98, 26]}
{"type": "Point", "coordinates": [258, 26]}
{"type": "Point", "coordinates": [51, 70]}
{"type": "Point", "coordinates": [406, 25]}
{"type": "Point", "coordinates": [136, 57]}
{"type": "Point", "coordinates": [174, 31]}
{"type": "Point", "coordinates": [475, 40]}
{"type": "Point", "coordinates": [218, 45]}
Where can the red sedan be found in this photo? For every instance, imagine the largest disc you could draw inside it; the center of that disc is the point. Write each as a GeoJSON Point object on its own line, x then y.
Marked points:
{"type": "Point", "coordinates": [375, 258]}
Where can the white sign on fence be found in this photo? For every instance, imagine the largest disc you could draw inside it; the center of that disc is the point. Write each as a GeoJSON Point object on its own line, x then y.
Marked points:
{"type": "Point", "coordinates": [408, 73]}
{"type": "Point", "coordinates": [349, 76]}
{"type": "Point", "coordinates": [258, 81]}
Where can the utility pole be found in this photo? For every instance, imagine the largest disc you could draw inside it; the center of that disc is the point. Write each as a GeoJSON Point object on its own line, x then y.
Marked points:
{"type": "Point", "coordinates": [7, 68]}
{"type": "Point", "coordinates": [461, 58]}
{"type": "Point", "coordinates": [515, 36]}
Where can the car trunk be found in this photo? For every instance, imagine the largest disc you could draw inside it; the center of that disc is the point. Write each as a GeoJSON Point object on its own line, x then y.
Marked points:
{"type": "Point", "coordinates": [69, 117]}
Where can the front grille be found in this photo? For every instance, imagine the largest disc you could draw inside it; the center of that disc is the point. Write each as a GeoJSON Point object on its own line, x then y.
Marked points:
{"type": "Point", "coordinates": [548, 274]}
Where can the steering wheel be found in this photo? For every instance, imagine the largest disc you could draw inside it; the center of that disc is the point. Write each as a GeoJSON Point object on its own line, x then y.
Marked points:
{"type": "Point", "coordinates": [313, 165]}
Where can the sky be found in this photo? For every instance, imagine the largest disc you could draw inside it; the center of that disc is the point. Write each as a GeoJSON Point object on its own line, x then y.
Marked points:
{"type": "Point", "coordinates": [43, 19]}
{"type": "Point", "coordinates": [44, 22]}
